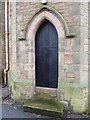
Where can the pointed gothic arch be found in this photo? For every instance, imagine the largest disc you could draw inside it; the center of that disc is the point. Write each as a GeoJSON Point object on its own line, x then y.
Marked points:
{"type": "Point", "coordinates": [56, 20]}
{"type": "Point", "coordinates": [32, 28]}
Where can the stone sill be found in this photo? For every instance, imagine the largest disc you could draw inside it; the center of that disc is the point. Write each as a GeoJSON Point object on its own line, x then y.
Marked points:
{"type": "Point", "coordinates": [21, 38]}
{"type": "Point", "coordinates": [71, 35]}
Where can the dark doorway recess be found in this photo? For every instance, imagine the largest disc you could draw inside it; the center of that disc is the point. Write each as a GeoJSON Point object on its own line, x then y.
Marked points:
{"type": "Point", "coordinates": [46, 54]}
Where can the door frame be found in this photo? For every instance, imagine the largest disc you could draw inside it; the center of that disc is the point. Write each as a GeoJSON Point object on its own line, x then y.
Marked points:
{"type": "Point", "coordinates": [31, 33]}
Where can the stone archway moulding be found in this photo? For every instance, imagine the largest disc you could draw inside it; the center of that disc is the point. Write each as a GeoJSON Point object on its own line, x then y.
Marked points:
{"type": "Point", "coordinates": [44, 13]}
{"type": "Point", "coordinates": [31, 32]}
{"type": "Point", "coordinates": [32, 28]}
{"type": "Point", "coordinates": [39, 18]}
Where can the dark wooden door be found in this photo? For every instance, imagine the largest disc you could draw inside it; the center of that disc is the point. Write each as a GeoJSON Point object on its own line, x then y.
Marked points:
{"type": "Point", "coordinates": [46, 50]}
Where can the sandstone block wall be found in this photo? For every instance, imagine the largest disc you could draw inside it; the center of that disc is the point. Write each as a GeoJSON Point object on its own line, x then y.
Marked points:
{"type": "Point", "coordinates": [73, 53]}
{"type": "Point", "coordinates": [70, 49]}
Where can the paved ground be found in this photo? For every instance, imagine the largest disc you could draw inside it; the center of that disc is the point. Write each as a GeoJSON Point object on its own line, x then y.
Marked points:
{"type": "Point", "coordinates": [16, 111]}
{"type": "Point", "coordinates": [10, 110]}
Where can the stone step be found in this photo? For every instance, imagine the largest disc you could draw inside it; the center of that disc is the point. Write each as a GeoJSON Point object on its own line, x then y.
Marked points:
{"type": "Point", "coordinates": [44, 108]}
{"type": "Point", "coordinates": [48, 93]}
{"type": "Point", "coordinates": [44, 102]}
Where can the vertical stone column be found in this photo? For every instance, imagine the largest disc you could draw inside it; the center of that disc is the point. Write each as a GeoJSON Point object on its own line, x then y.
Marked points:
{"type": "Point", "coordinates": [84, 51]}
{"type": "Point", "coordinates": [84, 43]}
{"type": "Point", "coordinates": [13, 40]}
{"type": "Point", "coordinates": [0, 43]}
{"type": "Point", "coordinates": [89, 56]}
{"type": "Point", "coordinates": [0, 61]}
{"type": "Point", "coordinates": [2, 39]}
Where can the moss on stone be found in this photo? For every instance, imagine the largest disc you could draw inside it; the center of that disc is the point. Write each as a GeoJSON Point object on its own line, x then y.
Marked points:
{"type": "Point", "coordinates": [78, 105]}
{"type": "Point", "coordinates": [45, 105]}
{"type": "Point", "coordinates": [21, 38]}
{"type": "Point", "coordinates": [20, 88]}
{"type": "Point", "coordinates": [42, 100]}
{"type": "Point", "coordinates": [86, 112]}
{"type": "Point", "coordinates": [73, 85]}
{"type": "Point", "coordinates": [77, 97]}
{"type": "Point", "coordinates": [46, 101]}
{"type": "Point", "coordinates": [71, 35]}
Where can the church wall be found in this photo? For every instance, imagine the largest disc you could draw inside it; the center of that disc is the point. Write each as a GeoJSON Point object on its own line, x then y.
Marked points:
{"type": "Point", "coordinates": [73, 53]}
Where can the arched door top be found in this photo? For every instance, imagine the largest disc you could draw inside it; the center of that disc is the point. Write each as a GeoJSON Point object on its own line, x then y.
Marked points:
{"type": "Point", "coordinates": [40, 17]}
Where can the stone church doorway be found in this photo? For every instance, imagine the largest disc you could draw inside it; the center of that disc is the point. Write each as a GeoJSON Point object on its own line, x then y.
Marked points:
{"type": "Point", "coordinates": [46, 55]}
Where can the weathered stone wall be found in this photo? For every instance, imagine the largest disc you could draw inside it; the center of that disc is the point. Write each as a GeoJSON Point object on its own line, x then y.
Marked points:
{"type": "Point", "coordinates": [89, 56]}
{"type": "Point", "coordinates": [70, 48]}
{"type": "Point", "coordinates": [73, 52]}
{"type": "Point", "coordinates": [0, 45]}
{"type": "Point", "coordinates": [2, 40]}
